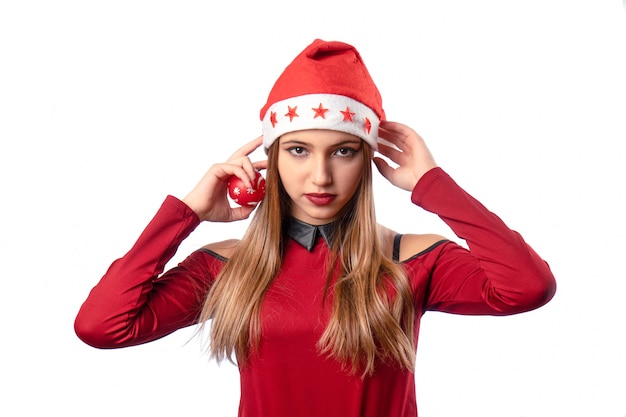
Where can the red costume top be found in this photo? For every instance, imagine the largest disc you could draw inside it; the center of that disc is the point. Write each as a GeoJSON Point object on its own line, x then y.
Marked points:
{"type": "Point", "coordinates": [133, 304]}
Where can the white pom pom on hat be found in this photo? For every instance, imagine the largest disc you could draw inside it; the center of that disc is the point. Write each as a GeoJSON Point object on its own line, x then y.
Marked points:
{"type": "Point", "coordinates": [327, 86]}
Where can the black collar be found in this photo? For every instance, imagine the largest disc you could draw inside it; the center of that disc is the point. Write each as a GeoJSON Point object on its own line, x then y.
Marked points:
{"type": "Point", "coordinates": [306, 234]}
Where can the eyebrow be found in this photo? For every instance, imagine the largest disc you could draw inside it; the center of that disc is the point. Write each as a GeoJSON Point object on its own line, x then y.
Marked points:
{"type": "Point", "coordinates": [342, 143]}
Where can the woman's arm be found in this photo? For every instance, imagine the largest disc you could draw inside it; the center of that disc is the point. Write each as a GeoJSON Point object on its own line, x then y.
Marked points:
{"type": "Point", "coordinates": [132, 303]}
{"type": "Point", "coordinates": [500, 274]}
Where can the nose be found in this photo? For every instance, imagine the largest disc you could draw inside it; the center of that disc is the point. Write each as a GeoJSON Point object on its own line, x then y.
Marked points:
{"type": "Point", "coordinates": [321, 172]}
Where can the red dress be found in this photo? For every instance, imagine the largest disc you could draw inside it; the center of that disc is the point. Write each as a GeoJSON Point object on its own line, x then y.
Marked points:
{"type": "Point", "coordinates": [135, 303]}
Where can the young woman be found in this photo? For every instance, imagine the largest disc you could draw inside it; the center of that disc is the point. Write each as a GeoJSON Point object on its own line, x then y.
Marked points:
{"type": "Point", "coordinates": [318, 304]}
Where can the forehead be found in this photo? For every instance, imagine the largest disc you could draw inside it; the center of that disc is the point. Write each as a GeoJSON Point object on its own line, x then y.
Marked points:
{"type": "Point", "coordinates": [319, 138]}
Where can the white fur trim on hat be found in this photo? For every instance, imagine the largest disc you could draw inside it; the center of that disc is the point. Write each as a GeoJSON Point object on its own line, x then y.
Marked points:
{"type": "Point", "coordinates": [320, 111]}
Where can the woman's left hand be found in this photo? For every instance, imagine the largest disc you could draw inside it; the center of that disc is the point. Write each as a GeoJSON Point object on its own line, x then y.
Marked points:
{"type": "Point", "coordinates": [409, 153]}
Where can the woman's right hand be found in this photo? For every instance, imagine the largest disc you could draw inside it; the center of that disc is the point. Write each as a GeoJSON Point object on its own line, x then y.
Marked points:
{"type": "Point", "coordinates": [209, 198]}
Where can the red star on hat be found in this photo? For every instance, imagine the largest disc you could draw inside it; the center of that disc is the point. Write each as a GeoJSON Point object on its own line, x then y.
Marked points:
{"type": "Point", "coordinates": [347, 115]}
{"type": "Point", "coordinates": [367, 125]}
{"type": "Point", "coordinates": [292, 113]}
{"type": "Point", "coordinates": [319, 111]}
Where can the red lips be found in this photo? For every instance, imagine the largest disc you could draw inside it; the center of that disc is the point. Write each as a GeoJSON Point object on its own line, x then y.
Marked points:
{"type": "Point", "coordinates": [320, 199]}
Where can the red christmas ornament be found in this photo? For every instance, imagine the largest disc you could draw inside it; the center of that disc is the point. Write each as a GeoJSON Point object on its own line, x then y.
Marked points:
{"type": "Point", "coordinates": [246, 196]}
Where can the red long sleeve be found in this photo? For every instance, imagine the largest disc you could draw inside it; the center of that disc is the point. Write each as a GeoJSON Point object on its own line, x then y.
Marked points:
{"type": "Point", "coordinates": [131, 304]}
{"type": "Point", "coordinates": [500, 274]}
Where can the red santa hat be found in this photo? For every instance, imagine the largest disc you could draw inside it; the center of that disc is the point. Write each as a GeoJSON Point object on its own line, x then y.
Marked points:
{"type": "Point", "coordinates": [327, 86]}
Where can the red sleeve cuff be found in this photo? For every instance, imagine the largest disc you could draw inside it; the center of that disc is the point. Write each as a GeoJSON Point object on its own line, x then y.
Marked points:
{"type": "Point", "coordinates": [424, 183]}
{"type": "Point", "coordinates": [177, 207]}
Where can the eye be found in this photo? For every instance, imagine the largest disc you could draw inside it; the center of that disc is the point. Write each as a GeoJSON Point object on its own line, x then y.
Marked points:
{"type": "Point", "coordinates": [345, 152]}
{"type": "Point", "coordinates": [297, 151]}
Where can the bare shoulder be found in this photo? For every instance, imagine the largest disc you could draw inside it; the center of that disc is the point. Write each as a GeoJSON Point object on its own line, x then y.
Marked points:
{"type": "Point", "coordinates": [410, 244]}
{"type": "Point", "coordinates": [225, 248]}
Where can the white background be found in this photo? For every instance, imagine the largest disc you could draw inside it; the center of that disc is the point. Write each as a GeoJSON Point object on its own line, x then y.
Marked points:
{"type": "Point", "coordinates": [107, 106]}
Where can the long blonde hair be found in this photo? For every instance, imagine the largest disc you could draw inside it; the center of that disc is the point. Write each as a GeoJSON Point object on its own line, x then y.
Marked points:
{"type": "Point", "coordinates": [372, 314]}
